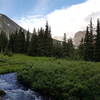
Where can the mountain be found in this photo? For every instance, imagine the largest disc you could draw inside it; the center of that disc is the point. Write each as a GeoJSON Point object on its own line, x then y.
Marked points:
{"type": "Point", "coordinates": [7, 25]}
{"type": "Point", "coordinates": [78, 37]}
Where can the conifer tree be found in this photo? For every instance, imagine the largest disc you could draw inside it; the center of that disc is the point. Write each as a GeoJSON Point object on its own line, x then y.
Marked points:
{"type": "Point", "coordinates": [65, 47]}
{"type": "Point", "coordinates": [11, 43]}
{"type": "Point", "coordinates": [91, 45]}
{"type": "Point", "coordinates": [20, 41]}
{"type": "Point", "coordinates": [3, 41]}
{"type": "Point", "coordinates": [32, 50]}
{"type": "Point", "coordinates": [81, 48]}
{"type": "Point", "coordinates": [58, 50]}
{"type": "Point", "coordinates": [48, 40]}
{"type": "Point", "coordinates": [70, 48]}
{"type": "Point", "coordinates": [16, 41]}
{"type": "Point", "coordinates": [27, 42]}
{"type": "Point", "coordinates": [41, 42]}
{"type": "Point", "coordinates": [88, 44]}
{"type": "Point", "coordinates": [97, 42]}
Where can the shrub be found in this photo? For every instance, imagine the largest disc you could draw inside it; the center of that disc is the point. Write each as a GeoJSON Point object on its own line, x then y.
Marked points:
{"type": "Point", "coordinates": [62, 83]}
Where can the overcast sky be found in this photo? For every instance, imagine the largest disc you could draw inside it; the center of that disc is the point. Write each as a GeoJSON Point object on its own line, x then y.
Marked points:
{"type": "Point", "coordinates": [64, 16]}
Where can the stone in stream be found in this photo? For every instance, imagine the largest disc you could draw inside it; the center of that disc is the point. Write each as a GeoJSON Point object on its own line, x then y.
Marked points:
{"type": "Point", "coordinates": [2, 93]}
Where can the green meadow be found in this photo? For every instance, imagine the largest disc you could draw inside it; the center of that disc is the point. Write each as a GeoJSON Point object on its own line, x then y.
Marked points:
{"type": "Point", "coordinates": [56, 79]}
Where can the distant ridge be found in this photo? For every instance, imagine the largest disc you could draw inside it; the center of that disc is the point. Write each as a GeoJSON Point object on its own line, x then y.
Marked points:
{"type": "Point", "coordinates": [8, 25]}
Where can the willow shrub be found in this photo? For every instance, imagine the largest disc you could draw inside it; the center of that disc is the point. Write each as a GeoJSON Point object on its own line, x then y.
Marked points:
{"type": "Point", "coordinates": [74, 81]}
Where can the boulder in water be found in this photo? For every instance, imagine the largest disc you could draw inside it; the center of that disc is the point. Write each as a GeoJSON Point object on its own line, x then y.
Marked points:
{"type": "Point", "coordinates": [2, 93]}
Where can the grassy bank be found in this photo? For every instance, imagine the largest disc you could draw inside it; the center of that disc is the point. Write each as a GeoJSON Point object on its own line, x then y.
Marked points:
{"type": "Point", "coordinates": [17, 62]}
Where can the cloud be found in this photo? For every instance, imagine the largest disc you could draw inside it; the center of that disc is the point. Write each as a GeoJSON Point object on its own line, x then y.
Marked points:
{"type": "Point", "coordinates": [31, 22]}
{"type": "Point", "coordinates": [67, 20]}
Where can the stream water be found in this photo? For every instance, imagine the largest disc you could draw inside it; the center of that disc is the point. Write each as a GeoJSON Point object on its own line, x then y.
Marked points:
{"type": "Point", "coordinates": [14, 90]}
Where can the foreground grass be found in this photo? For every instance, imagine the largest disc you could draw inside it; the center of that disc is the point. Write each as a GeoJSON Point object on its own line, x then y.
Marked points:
{"type": "Point", "coordinates": [58, 79]}
{"type": "Point", "coordinates": [18, 62]}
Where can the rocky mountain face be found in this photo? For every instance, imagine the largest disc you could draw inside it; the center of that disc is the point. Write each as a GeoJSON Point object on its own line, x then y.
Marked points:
{"type": "Point", "coordinates": [8, 25]}
{"type": "Point", "coordinates": [78, 37]}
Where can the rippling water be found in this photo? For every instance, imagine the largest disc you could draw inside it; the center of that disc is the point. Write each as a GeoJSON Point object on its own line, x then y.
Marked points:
{"type": "Point", "coordinates": [14, 90]}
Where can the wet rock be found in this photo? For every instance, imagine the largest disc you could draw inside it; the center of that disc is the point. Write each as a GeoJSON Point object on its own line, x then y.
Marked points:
{"type": "Point", "coordinates": [2, 93]}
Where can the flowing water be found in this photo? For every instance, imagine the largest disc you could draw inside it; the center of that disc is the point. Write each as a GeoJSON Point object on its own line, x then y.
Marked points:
{"type": "Point", "coordinates": [14, 90]}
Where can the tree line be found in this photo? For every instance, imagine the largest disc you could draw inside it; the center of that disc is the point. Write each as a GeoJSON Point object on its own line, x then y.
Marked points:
{"type": "Point", "coordinates": [38, 43]}
{"type": "Point", "coordinates": [41, 43]}
{"type": "Point", "coordinates": [90, 46]}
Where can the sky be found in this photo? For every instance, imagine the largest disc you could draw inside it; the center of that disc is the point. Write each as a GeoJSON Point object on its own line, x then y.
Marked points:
{"type": "Point", "coordinates": [64, 16]}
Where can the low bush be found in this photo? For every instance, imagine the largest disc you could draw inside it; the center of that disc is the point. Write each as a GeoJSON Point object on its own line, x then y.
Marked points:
{"type": "Point", "coordinates": [73, 81]}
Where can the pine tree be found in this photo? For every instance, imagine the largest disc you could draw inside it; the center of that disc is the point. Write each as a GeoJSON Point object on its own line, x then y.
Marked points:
{"type": "Point", "coordinates": [11, 43]}
{"type": "Point", "coordinates": [33, 50]}
{"type": "Point", "coordinates": [86, 48]}
{"type": "Point", "coordinates": [20, 41]}
{"type": "Point", "coordinates": [41, 45]}
{"type": "Point", "coordinates": [70, 48]}
{"type": "Point", "coordinates": [88, 44]}
{"type": "Point", "coordinates": [27, 42]}
{"type": "Point", "coordinates": [81, 49]}
{"type": "Point", "coordinates": [57, 50]}
{"type": "Point", "coordinates": [91, 37]}
{"type": "Point", "coordinates": [48, 40]}
{"type": "Point", "coordinates": [16, 41]}
{"type": "Point", "coordinates": [65, 47]}
{"type": "Point", "coordinates": [3, 41]}
{"type": "Point", "coordinates": [97, 44]}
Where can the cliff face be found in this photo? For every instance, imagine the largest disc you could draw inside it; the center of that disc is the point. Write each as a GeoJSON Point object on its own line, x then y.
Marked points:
{"type": "Point", "coordinates": [78, 37]}
{"type": "Point", "coordinates": [7, 25]}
